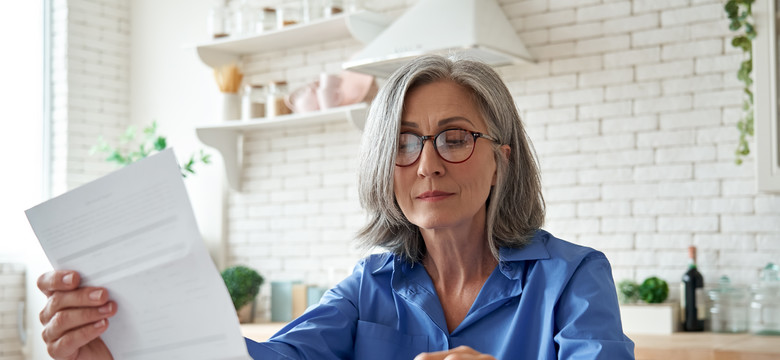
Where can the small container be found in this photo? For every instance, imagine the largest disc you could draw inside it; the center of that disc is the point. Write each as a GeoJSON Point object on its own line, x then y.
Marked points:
{"type": "Point", "coordinates": [765, 305]}
{"type": "Point", "coordinates": [218, 20]}
{"type": "Point", "coordinates": [274, 104]}
{"type": "Point", "coordinates": [245, 18]}
{"type": "Point", "coordinates": [253, 102]}
{"type": "Point", "coordinates": [231, 106]}
{"type": "Point", "coordinates": [353, 6]}
{"type": "Point", "coordinates": [289, 14]}
{"type": "Point", "coordinates": [267, 20]}
{"type": "Point", "coordinates": [728, 310]}
{"type": "Point", "coordinates": [311, 10]}
{"type": "Point", "coordinates": [332, 7]}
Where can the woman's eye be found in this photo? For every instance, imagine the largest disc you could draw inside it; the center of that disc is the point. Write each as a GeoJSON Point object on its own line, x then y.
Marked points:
{"type": "Point", "coordinates": [406, 147]}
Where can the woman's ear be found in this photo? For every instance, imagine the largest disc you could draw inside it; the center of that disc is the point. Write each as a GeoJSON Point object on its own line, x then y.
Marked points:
{"type": "Point", "coordinates": [506, 151]}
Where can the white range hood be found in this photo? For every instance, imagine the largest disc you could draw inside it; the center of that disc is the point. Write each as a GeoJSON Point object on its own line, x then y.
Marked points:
{"type": "Point", "coordinates": [476, 28]}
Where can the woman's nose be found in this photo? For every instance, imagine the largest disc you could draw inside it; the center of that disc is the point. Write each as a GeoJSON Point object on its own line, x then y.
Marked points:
{"type": "Point", "coordinates": [430, 163]}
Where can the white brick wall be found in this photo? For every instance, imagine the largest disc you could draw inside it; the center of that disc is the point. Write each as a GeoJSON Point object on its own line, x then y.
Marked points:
{"type": "Point", "coordinates": [631, 106]}
{"type": "Point", "coordinates": [662, 165]}
{"type": "Point", "coordinates": [90, 78]}
{"type": "Point", "coordinates": [11, 294]}
{"type": "Point", "coordinates": [626, 106]}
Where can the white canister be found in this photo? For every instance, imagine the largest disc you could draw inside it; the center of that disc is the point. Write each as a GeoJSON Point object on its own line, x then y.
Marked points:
{"type": "Point", "coordinates": [231, 106]}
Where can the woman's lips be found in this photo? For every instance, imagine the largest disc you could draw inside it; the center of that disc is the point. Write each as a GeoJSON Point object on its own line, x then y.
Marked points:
{"type": "Point", "coordinates": [433, 195]}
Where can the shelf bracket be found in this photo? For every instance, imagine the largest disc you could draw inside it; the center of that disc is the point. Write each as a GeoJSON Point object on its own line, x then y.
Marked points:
{"type": "Point", "coordinates": [228, 142]}
{"type": "Point", "coordinates": [216, 58]}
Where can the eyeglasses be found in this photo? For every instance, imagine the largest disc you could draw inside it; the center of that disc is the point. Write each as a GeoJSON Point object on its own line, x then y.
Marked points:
{"type": "Point", "coordinates": [452, 145]}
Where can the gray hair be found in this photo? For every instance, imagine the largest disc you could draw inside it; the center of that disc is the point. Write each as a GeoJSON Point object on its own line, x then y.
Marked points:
{"type": "Point", "coordinates": [515, 206]}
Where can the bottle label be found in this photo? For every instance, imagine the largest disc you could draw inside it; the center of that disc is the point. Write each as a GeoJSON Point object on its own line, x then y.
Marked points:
{"type": "Point", "coordinates": [701, 308]}
{"type": "Point", "coordinates": [682, 302]}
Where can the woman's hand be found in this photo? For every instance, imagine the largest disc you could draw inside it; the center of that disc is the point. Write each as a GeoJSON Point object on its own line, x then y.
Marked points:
{"type": "Point", "coordinates": [74, 317]}
{"type": "Point", "coordinates": [458, 353]}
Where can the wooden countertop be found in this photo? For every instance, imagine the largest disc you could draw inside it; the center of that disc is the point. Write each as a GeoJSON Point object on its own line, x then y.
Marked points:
{"type": "Point", "coordinates": [706, 346]}
{"type": "Point", "coordinates": [682, 346]}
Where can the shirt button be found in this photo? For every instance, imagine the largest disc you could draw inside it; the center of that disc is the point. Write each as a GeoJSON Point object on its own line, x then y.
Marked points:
{"type": "Point", "coordinates": [506, 268]}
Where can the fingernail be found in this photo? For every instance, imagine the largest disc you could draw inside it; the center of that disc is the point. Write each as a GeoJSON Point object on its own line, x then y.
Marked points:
{"type": "Point", "coordinates": [100, 323]}
{"type": "Point", "coordinates": [95, 295]}
{"type": "Point", "coordinates": [105, 309]}
{"type": "Point", "coordinates": [68, 279]}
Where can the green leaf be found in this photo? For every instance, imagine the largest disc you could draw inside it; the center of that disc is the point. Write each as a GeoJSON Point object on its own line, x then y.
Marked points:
{"type": "Point", "coordinates": [128, 135]}
{"type": "Point", "coordinates": [243, 284]}
{"type": "Point", "coordinates": [749, 29]}
{"type": "Point", "coordinates": [731, 9]}
{"type": "Point", "coordinates": [151, 129]}
{"type": "Point", "coordinates": [653, 290]}
{"type": "Point", "coordinates": [160, 144]}
{"type": "Point", "coordinates": [116, 157]}
{"type": "Point", "coordinates": [628, 291]}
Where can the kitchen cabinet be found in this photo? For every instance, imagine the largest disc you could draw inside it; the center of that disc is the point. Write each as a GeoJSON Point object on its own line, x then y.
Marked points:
{"type": "Point", "coordinates": [226, 136]}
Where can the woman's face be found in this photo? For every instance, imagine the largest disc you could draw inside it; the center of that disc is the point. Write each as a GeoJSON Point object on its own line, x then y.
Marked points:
{"type": "Point", "coordinates": [433, 193]}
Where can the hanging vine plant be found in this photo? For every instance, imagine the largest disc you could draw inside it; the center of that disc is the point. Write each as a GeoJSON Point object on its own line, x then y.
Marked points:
{"type": "Point", "coordinates": [741, 15]}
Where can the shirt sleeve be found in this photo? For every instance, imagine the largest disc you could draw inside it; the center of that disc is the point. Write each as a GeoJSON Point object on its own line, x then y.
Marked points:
{"type": "Point", "coordinates": [587, 317]}
{"type": "Point", "coordinates": [324, 331]}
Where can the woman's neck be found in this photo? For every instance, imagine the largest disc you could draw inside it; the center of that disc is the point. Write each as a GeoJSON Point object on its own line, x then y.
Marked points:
{"type": "Point", "coordinates": [456, 258]}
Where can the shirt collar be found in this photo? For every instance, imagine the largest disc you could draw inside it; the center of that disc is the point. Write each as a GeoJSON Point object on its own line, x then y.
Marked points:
{"type": "Point", "coordinates": [536, 249]}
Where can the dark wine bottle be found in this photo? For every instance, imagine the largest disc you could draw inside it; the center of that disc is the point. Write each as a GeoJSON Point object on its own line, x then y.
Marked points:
{"type": "Point", "coordinates": [692, 306]}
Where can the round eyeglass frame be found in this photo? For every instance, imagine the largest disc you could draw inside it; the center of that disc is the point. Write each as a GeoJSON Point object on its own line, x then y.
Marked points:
{"type": "Point", "coordinates": [423, 138]}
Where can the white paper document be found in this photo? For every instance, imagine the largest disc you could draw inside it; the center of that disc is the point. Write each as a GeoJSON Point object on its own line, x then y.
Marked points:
{"type": "Point", "coordinates": [134, 232]}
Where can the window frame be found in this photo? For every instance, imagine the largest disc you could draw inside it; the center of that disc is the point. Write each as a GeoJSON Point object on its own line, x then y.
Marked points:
{"type": "Point", "coordinates": [766, 122]}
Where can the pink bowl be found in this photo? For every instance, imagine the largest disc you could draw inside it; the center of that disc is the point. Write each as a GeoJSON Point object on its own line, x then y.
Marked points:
{"type": "Point", "coordinates": [356, 87]}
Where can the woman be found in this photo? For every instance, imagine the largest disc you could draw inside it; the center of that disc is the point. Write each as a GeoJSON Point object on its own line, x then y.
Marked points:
{"type": "Point", "coordinates": [453, 193]}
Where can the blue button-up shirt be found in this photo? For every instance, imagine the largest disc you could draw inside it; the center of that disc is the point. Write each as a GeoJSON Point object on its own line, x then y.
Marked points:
{"type": "Point", "coordinates": [550, 299]}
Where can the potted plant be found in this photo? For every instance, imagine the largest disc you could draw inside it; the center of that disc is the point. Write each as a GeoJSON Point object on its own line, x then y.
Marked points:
{"type": "Point", "coordinates": [642, 307]}
{"type": "Point", "coordinates": [243, 284]}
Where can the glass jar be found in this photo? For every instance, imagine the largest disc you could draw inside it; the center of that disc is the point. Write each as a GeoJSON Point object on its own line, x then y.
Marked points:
{"type": "Point", "coordinates": [289, 13]}
{"type": "Point", "coordinates": [253, 102]}
{"type": "Point", "coordinates": [274, 104]}
{"type": "Point", "coordinates": [218, 23]}
{"type": "Point", "coordinates": [728, 310]}
{"type": "Point", "coordinates": [245, 18]}
{"type": "Point", "coordinates": [353, 6]}
{"type": "Point", "coordinates": [267, 20]}
{"type": "Point", "coordinates": [332, 7]}
{"type": "Point", "coordinates": [311, 10]}
{"type": "Point", "coordinates": [765, 305]}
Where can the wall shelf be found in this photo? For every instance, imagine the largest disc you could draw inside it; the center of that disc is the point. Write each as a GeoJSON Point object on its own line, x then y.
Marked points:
{"type": "Point", "coordinates": [363, 26]}
{"type": "Point", "coordinates": [226, 137]}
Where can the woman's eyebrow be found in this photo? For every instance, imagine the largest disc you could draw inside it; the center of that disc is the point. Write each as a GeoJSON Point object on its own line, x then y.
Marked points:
{"type": "Point", "coordinates": [449, 120]}
{"type": "Point", "coordinates": [442, 122]}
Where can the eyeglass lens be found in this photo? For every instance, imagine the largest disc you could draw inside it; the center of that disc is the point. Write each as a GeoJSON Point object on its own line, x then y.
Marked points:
{"type": "Point", "coordinates": [453, 145]}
